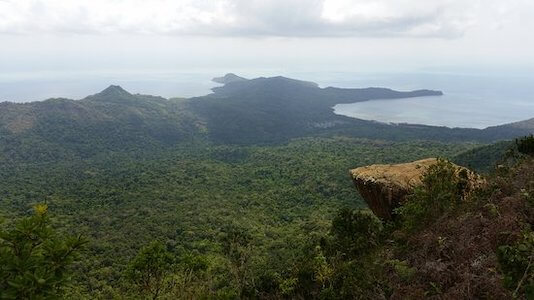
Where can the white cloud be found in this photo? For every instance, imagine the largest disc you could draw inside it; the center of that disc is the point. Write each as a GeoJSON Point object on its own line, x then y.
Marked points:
{"type": "Point", "coordinates": [205, 34]}
{"type": "Point", "coordinates": [419, 18]}
{"type": "Point", "coordinates": [108, 16]}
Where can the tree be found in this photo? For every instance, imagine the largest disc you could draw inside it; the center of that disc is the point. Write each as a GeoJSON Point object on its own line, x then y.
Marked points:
{"type": "Point", "coordinates": [34, 259]}
{"type": "Point", "coordinates": [150, 268]}
{"type": "Point", "coordinates": [443, 188]}
{"type": "Point", "coordinates": [237, 247]}
{"type": "Point", "coordinates": [525, 145]}
{"type": "Point", "coordinates": [517, 265]}
{"type": "Point", "coordinates": [355, 232]}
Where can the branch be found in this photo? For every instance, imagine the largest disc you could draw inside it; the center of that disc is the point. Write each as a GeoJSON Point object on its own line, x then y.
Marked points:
{"type": "Point", "coordinates": [525, 275]}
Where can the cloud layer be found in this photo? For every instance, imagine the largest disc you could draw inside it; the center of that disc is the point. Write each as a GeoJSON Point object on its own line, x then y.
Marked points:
{"type": "Point", "coordinates": [412, 18]}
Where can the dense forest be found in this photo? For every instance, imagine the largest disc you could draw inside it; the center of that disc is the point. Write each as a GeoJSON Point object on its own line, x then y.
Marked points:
{"type": "Point", "coordinates": [190, 197]}
{"type": "Point", "coordinates": [243, 193]}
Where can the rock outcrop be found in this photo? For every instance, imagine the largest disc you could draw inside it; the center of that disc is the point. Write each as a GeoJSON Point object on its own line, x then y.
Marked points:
{"type": "Point", "coordinates": [384, 187]}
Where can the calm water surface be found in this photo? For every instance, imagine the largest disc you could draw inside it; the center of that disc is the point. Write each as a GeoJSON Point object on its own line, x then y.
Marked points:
{"type": "Point", "coordinates": [475, 101]}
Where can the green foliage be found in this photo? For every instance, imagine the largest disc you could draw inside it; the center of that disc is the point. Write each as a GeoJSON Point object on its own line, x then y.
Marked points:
{"type": "Point", "coordinates": [485, 158]}
{"type": "Point", "coordinates": [343, 263]}
{"type": "Point", "coordinates": [236, 244]}
{"type": "Point", "coordinates": [287, 286]}
{"type": "Point", "coordinates": [280, 197]}
{"type": "Point", "coordinates": [402, 269]}
{"type": "Point", "coordinates": [56, 130]}
{"type": "Point", "coordinates": [150, 269]}
{"type": "Point", "coordinates": [355, 237]}
{"type": "Point", "coordinates": [525, 145]}
{"type": "Point", "coordinates": [34, 260]}
{"type": "Point", "coordinates": [125, 169]}
{"type": "Point", "coordinates": [266, 110]}
{"type": "Point", "coordinates": [262, 111]}
{"type": "Point", "coordinates": [356, 232]}
{"type": "Point", "coordinates": [517, 264]}
{"type": "Point", "coordinates": [442, 189]}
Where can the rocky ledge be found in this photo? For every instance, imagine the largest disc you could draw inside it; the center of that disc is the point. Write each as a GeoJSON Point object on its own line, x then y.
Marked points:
{"type": "Point", "coordinates": [384, 187]}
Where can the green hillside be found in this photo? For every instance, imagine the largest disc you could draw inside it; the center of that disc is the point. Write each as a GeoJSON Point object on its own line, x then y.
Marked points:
{"type": "Point", "coordinates": [188, 197]}
{"type": "Point", "coordinates": [257, 111]}
{"type": "Point", "coordinates": [485, 158]}
{"type": "Point", "coordinates": [112, 120]}
{"type": "Point", "coordinates": [232, 195]}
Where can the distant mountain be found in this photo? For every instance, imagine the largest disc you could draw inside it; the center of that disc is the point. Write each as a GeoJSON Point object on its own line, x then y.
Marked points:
{"type": "Point", "coordinates": [228, 78]}
{"type": "Point", "coordinates": [264, 110]}
{"type": "Point", "coordinates": [256, 111]}
{"type": "Point", "coordinates": [526, 124]}
{"type": "Point", "coordinates": [273, 109]}
{"type": "Point", "coordinates": [113, 92]}
{"type": "Point", "coordinates": [298, 90]}
{"type": "Point", "coordinates": [111, 120]}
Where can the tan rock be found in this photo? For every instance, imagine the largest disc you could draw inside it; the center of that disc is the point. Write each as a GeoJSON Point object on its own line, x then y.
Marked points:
{"type": "Point", "coordinates": [384, 187]}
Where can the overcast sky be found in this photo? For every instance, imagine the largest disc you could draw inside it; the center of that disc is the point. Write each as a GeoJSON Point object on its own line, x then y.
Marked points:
{"type": "Point", "coordinates": [189, 35]}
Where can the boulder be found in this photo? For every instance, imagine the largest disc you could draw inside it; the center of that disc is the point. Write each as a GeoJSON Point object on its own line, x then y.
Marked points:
{"type": "Point", "coordinates": [384, 187]}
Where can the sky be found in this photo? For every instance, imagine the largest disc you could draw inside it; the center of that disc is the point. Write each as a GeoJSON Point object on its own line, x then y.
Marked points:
{"type": "Point", "coordinates": [43, 36]}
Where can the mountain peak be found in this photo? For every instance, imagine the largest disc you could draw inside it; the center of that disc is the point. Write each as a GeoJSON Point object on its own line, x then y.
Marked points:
{"type": "Point", "coordinates": [229, 77]}
{"type": "Point", "coordinates": [112, 93]}
{"type": "Point", "coordinates": [114, 90]}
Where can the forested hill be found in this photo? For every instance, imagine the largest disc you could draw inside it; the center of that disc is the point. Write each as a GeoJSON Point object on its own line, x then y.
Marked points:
{"type": "Point", "coordinates": [256, 111]}
{"type": "Point", "coordinates": [239, 192]}
{"type": "Point", "coordinates": [273, 109]}
{"type": "Point", "coordinates": [298, 90]}
{"type": "Point", "coordinates": [112, 120]}
{"type": "Point", "coordinates": [276, 108]}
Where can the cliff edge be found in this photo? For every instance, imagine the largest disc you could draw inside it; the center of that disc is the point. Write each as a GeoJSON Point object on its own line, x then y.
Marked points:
{"type": "Point", "coordinates": [384, 187]}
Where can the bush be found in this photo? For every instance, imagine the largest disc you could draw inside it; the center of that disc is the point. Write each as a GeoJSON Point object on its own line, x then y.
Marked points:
{"type": "Point", "coordinates": [442, 189]}
{"type": "Point", "coordinates": [151, 268]}
{"type": "Point", "coordinates": [517, 265]}
{"type": "Point", "coordinates": [525, 145]}
{"type": "Point", "coordinates": [355, 232]}
{"type": "Point", "coordinates": [34, 260]}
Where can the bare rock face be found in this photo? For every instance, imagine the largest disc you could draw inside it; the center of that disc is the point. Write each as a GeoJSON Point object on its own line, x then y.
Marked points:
{"type": "Point", "coordinates": [384, 187]}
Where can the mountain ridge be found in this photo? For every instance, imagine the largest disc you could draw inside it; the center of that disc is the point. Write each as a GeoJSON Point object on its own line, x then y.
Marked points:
{"type": "Point", "coordinates": [228, 78]}
{"type": "Point", "coordinates": [257, 111]}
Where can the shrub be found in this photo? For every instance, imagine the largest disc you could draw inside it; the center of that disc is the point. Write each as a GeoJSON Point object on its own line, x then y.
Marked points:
{"type": "Point", "coordinates": [150, 269]}
{"type": "Point", "coordinates": [34, 259]}
{"type": "Point", "coordinates": [402, 269]}
{"type": "Point", "coordinates": [355, 232]}
{"type": "Point", "coordinates": [442, 189]}
{"type": "Point", "coordinates": [517, 264]}
{"type": "Point", "coordinates": [525, 145]}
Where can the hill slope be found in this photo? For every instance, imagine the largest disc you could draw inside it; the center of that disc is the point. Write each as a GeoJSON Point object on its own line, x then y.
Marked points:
{"type": "Point", "coordinates": [274, 109]}
{"type": "Point", "coordinates": [256, 111]}
{"type": "Point", "coordinates": [239, 220]}
{"type": "Point", "coordinates": [112, 120]}
{"type": "Point", "coordinates": [277, 108]}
